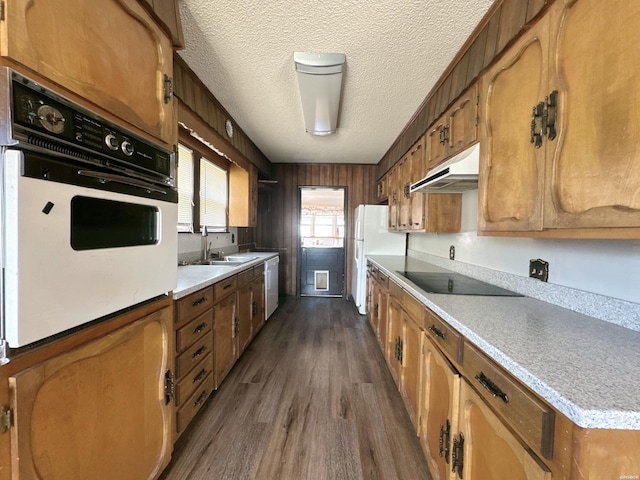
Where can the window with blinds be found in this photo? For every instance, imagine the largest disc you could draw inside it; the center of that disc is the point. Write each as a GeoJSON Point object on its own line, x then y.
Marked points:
{"type": "Point", "coordinates": [213, 196]}
{"type": "Point", "coordinates": [185, 189]}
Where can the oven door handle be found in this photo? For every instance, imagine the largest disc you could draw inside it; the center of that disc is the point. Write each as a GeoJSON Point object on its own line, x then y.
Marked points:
{"type": "Point", "coordinates": [110, 177]}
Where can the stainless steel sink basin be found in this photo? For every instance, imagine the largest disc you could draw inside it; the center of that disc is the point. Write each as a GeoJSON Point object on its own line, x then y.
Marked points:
{"type": "Point", "coordinates": [229, 260]}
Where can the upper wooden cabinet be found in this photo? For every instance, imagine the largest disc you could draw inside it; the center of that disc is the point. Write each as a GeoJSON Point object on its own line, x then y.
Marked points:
{"type": "Point", "coordinates": [114, 56]}
{"type": "Point", "coordinates": [573, 168]}
{"type": "Point", "coordinates": [243, 196]}
{"type": "Point", "coordinates": [455, 130]}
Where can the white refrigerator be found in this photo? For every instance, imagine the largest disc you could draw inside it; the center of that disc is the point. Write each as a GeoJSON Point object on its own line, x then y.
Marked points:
{"type": "Point", "coordinates": [371, 237]}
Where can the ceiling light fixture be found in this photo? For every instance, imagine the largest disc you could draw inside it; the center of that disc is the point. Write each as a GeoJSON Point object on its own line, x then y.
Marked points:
{"type": "Point", "coordinates": [320, 82]}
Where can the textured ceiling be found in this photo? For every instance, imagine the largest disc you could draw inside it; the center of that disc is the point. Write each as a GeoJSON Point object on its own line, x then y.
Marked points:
{"type": "Point", "coordinates": [396, 50]}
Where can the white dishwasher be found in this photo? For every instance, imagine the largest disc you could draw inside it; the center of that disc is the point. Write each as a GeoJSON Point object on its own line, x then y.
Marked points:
{"type": "Point", "coordinates": [270, 286]}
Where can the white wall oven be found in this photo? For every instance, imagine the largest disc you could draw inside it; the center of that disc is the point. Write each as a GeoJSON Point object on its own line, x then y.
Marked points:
{"type": "Point", "coordinates": [89, 213]}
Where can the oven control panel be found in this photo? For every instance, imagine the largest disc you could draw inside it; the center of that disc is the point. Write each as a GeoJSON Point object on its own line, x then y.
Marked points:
{"type": "Point", "coordinates": [44, 118]}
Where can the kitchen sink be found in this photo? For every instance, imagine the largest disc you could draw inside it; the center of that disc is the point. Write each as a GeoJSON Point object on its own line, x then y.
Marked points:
{"type": "Point", "coordinates": [229, 260]}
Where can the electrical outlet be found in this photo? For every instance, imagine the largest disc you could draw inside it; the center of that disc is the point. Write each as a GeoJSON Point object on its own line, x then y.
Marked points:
{"type": "Point", "coordinates": [539, 269]}
{"type": "Point", "coordinates": [452, 252]}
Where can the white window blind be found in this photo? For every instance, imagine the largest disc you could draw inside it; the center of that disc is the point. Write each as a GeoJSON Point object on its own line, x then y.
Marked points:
{"type": "Point", "coordinates": [185, 189]}
{"type": "Point", "coordinates": [213, 196]}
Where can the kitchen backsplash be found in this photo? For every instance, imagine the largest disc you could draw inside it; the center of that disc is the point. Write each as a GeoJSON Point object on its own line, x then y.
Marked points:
{"type": "Point", "coordinates": [190, 244]}
{"type": "Point", "coordinates": [595, 277]}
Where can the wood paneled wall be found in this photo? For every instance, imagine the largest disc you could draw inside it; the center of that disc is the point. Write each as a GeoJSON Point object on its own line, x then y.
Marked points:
{"type": "Point", "coordinates": [278, 210]}
{"type": "Point", "coordinates": [503, 23]}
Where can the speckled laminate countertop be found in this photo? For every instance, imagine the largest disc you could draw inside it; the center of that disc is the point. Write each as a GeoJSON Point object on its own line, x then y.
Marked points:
{"type": "Point", "coordinates": [585, 367]}
{"type": "Point", "coordinates": [192, 278]}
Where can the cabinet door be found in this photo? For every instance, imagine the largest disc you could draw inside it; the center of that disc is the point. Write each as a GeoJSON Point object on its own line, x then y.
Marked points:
{"type": "Point", "coordinates": [510, 186]}
{"type": "Point", "coordinates": [438, 410]}
{"type": "Point", "coordinates": [115, 56]}
{"type": "Point", "coordinates": [418, 212]}
{"type": "Point", "coordinates": [490, 450]}
{"type": "Point", "coordinates": [244, 317]}
{"type": "Point", "coordinates": [417, 158]}
{"type": "Point", "coordinates": [253, 196]}
{"type": "Point", "coordinates": [463, 121]}
{"type": "Point", "coordinates": [394, 198]}
{"type": "Point", "coordinates": [411, 367]}
{"type": "Point", "coordinates": [224, 337]}
{"type": "Point", "coordinates": [436, 147]}
{"type": "Point", "coordinates": [257, 295]}
{"type": "Point", "coordinates": [394, 344]}
{"type": "Point", "coordinates": [404, 203]}
{"type": "Point", "coordinates": [383, 318]}
{"type": "Point", "coordinates": [593, 179]}
{"type": "Point", "coordinates": [97, 411]}
{"type": "Point", "coordinates": [382, 189]}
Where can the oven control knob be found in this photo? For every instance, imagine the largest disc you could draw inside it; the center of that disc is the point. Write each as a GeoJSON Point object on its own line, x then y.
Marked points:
{"type": "Point", "coordinates": [111, 141]}
{"type": "Point", "coordinates": [127, 148]}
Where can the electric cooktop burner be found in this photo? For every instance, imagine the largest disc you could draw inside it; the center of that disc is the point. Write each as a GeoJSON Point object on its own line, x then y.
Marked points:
{"type": "Point", "coordinates": [455, 284]}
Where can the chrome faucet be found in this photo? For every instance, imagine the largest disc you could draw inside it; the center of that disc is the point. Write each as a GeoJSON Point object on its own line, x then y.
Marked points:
{"type": "Point", "coordinates": [206, 245]}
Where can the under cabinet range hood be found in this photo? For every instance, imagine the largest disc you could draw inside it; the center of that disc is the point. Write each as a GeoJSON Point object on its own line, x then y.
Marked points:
{"type": "Point", "coordinates": [456, 175]}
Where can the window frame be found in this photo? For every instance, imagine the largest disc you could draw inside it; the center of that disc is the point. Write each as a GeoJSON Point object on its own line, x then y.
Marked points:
{"type": "Point", "coordinates": [201, 152]}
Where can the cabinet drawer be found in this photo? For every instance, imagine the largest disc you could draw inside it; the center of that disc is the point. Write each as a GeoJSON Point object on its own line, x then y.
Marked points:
{"type": "Point", "coordinates": [187, 359]}
{"type": "Point", "coordinates": [192, 305]}
{"type": "Point", "coordinates": [444, 336]}
{"type": "Point", "coordinates": [190, 382]}
{"type": "Point", "coordinates": [413, 307]}
{"type": "Point", "coordinates": [531, 418]}
{"type": "Point", "coordinates": [396, 290]}
{"type": "Point", "coordinates": [191, 406]}
{"type": "Point", "coordinates": [193, 330]}
{"type": "Point", "coordinates": [258, 270]}
{"type": "Point", "coordinates": [383, 279]}
{"type": "Point", "coordinates": [245, 276]}
{"type": "Point", "coordinates": [226, 287]}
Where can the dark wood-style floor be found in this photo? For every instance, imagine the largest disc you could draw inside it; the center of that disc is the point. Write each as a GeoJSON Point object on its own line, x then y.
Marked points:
{"type": "Point", "coordinates": [311, 398]}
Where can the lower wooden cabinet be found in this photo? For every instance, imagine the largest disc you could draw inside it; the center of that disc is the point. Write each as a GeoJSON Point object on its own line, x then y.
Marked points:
{"type": "Point", "coordinates": [412, 360]}
{"type": "Point", "coordinates": [394, 339]}
{"type": "Point", "coordinates": [438, 411]}
{"type": "Point", "coordinates": [484, 448]}
{"type": "Point", "coordinates": [98, 410]}
{"type": "Point", "coordinates": [224, 337]}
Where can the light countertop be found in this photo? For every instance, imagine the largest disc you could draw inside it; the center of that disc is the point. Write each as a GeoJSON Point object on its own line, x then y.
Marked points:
{"type": "Point", "coordinates": [192, 278]}
{"type": "Point", "coordinates": [585, 367]}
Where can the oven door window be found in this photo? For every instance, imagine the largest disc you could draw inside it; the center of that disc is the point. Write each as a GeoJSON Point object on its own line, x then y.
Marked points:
{"type": "Point", "coordinates": [97, 223]}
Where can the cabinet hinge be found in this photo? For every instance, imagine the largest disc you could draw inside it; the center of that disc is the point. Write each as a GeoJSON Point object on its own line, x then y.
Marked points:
{"type": "Point", "coordinates": [6, 418]}
{"type": "Point", "coordinates": [167, 87]}
{"type": "Point", "coordinates": [169, 387]}
{"type": "Point", "coordinates": [1, 11]}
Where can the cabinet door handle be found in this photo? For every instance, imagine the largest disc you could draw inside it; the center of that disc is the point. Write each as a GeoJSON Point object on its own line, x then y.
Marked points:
{"type": "Point", "coordinates": [200, 375]}
{"type": "Point", "coordinates": [228, 285]}
{"type": "Point", "coordinates": [199, 352]}
{"type": "Point", "coordinates": [491, 387]}
{"type": "Point", "coordinates": [198, 302]}
{"type": "Point", "coordinates": [200, 327]}
{"type": "Point", "coordinates": [457, 455]}
{"type": "Point", "coordinates": [443, 442]}
{"type": "Point", "coordinates": [437, 332]}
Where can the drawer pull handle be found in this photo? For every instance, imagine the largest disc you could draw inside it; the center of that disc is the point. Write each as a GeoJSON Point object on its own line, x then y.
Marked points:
{"type": "Point", "coordinates": [199, 301]}
{"type": "Point", "coordinates": [200, 375]}
{"type": "Point", "coordinates": [437, 332]}
{"type": "Point", "coordinates": [199, 352]}
{"type": "Point", "coordinates": [491, 387]}
{"type": "Point", "coordinates": [201, 398]}
{"type": "Point", "coordinates": [200, 328]}
{"type": "Point", "coordinates": [228, 285]}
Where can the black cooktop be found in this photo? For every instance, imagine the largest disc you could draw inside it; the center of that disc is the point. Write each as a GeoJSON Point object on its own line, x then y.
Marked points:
{"type": "Point", "coordinates": [452, 283]}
